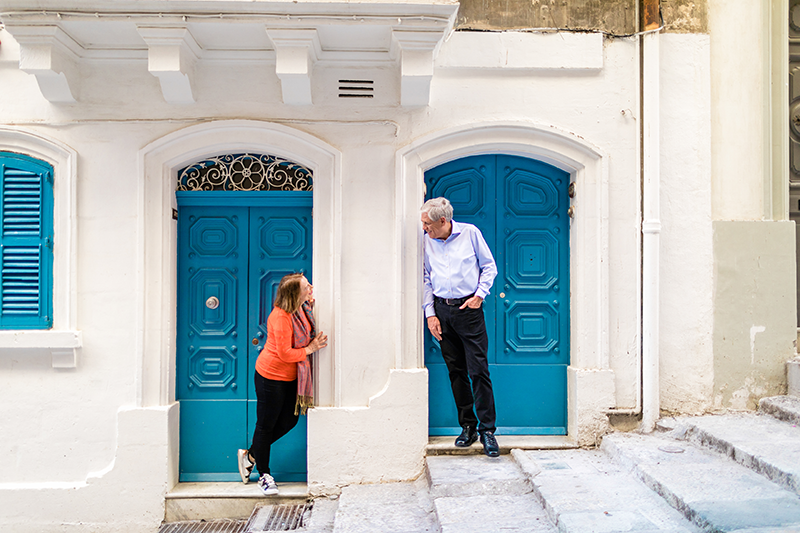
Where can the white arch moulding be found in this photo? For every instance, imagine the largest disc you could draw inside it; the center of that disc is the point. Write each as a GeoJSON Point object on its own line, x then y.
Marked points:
{"type": "Point", "coordinates": [588, 169]}
{"type": "Point", "coordinates": [157, 241]}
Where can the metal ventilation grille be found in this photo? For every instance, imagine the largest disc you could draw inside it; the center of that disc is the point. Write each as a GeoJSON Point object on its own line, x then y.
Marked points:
{"type": "Point", "coordinates": [222, 525]}
{"type": "Point", "coordinates": [286, 517]}
{"type": "Point", "coordinates": [356, 88]}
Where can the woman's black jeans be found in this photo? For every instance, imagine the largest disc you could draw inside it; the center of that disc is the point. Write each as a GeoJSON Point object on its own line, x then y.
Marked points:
{"type": "Point", "coordinates": [274, 416]}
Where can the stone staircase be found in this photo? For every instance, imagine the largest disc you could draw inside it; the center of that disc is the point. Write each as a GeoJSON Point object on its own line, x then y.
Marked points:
{"type": "Point", "coordinates": [723, 473]}
{"type": "Point", "coordinates": [737, 472]}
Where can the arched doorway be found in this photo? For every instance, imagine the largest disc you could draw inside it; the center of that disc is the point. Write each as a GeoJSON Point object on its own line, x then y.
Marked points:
{"type": "Point", "coordinates": [244, 221]}
{"type": "Point", "coordinates": [520, 205]}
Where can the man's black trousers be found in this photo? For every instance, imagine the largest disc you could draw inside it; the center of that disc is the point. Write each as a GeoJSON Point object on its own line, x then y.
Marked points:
{"type": "Point", "coordinates": [464, 345]}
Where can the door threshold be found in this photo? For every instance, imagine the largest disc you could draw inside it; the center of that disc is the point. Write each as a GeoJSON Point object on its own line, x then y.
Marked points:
{"type": "Point", "coordinates": [446, 445]}
{"type": "Point", "coordinates": [235, 500]}
{"type": "Point", "coordinates": [235, 489]}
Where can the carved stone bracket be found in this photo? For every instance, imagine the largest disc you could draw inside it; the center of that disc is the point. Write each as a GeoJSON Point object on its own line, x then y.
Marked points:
{"type": "Point", "coordinates": [416, 51]}
{"type": "Point", "coordinates": [48, 53]}
{"type": "Point", "coordinates": [296, 51]}
{"type": "Point", "coordinates": [172, 54]}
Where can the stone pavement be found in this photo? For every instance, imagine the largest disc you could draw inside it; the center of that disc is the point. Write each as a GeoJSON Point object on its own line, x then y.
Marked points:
{"type": "Point", "coordinates": [722, 473]}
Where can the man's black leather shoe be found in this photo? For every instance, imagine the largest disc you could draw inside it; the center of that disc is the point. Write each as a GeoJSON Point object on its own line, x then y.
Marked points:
{"type": "Point", "coordinates": [490, 446]}
{"type": "Point", "coordinates": [468, 435]}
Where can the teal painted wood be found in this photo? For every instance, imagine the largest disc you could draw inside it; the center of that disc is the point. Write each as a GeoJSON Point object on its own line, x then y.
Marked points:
{"type": "Point", "coordinates": [234, 253]}
{"type": "Point", "coordinates": [520, 206]}
{"type": "Point", "coordinates": [26, 242]}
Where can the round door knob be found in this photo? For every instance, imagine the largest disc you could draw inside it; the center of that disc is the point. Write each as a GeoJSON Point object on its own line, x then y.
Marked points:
{"type": "Point", "coordinates": [233, 386]}
{"type": "Point", "coordinates": [255, 341]}
{"type": "Point", "coordinates": [507, 303]}
{"type": "Point", "coordinates": [260, 334]}
{"type": "Point", "coordinates": [212, 302]}
{"type": "Point", "coordinates": [507, 350]}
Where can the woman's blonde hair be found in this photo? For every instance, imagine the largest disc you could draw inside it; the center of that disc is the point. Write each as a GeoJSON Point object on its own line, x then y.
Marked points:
{"type": "Point", "coordinates": [288, 295]}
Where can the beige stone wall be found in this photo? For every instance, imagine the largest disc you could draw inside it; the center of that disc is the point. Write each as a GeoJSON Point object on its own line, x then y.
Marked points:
{"type": "Point", "coordinates": [618, 17]}
{"type": "Point", "coordinates": [754, 311]}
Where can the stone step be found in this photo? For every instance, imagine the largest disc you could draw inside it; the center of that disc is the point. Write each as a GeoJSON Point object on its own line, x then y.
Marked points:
{"type": "Point", "coordinates": [585, 491]}
{"type": "Point", "coordinates": [786, 408]}
{"type": "Point", "coordinates": [759, 442]}
{"type": "Point", "coordinates": [474, 475]}
{"type": "Point", "coordinates": [485, 494]}
{"type": "Point", "coordinates": [447, 446]}
{"type": "Point", "coordinates": [714, 492]}
{"type": "Point", "coordinates": [386, 508]}
{"type": "Point", "coordinates": [206, 501]}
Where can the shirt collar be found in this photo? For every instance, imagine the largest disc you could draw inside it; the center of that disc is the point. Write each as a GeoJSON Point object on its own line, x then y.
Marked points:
{"type": "Point", "coordinates": [457, 228]}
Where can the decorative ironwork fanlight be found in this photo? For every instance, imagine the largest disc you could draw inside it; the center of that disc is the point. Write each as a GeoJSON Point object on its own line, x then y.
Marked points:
{"type": "Point", "coordinates": [245, 172]}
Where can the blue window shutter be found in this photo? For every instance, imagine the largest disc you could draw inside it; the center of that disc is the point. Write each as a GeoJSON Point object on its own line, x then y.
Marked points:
{"type": "Point", "coordinates": [26, 243]}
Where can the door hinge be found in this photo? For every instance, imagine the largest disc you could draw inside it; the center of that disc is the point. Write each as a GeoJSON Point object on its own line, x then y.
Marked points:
{"type": "Point", "coordinates": [48, 242]}
{"type": "Point", "coordinates": [174, 214]}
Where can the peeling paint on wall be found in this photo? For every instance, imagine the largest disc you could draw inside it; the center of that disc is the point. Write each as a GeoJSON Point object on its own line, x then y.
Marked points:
{"type": "Point", "coordinates": [685, 16]}
{"type": "Point", "coordinates": [617, 17]}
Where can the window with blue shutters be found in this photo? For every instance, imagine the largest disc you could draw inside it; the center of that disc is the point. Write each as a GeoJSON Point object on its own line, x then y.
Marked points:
{"type": "Point", "coordinates": [26, 243]}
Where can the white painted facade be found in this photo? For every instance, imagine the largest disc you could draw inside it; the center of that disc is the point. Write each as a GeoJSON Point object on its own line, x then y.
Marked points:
{"type": "Point", "coordinates": [117, 103]}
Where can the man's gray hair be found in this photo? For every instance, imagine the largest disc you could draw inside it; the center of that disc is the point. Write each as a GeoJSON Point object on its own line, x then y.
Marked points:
{"type": "Point", "coordinates": [438, 208]}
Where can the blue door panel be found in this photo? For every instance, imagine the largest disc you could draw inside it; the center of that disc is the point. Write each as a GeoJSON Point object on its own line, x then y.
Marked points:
{"type": "Point", "coordinates": [210, 434]}
{"type": "Point", "coordinates": [233, 249]}
{"type": "Point", "coordinates": [520, 206]}
{"type": "Point", "coordinates": [442, 414]}
{"type": "Point", "coordinates": [524, 385]}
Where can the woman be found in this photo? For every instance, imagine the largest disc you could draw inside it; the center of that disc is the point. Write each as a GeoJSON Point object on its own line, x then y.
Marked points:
{"type": "Point", "coordinates": [290, 340]}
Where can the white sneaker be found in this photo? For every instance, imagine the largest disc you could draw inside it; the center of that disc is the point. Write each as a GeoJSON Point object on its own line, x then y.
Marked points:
{"type": "Point", "coordinates": [267, 485]}
{"type": "Point", "coordinates": [245, 465]}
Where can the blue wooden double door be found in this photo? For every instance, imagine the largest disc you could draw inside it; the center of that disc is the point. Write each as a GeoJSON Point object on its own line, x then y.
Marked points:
{"type": "Point", "coordinates": [233, 249]}
{"type": "Point", "coordinates": [520, 205]}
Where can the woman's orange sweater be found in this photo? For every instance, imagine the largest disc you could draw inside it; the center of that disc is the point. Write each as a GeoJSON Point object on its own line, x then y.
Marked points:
{"type": "Point", "coordinates": [278, 360]}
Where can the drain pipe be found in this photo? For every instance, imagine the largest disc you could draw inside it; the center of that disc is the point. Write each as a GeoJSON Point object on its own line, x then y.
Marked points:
{"type": "Point", "coordinates": [651, 216]}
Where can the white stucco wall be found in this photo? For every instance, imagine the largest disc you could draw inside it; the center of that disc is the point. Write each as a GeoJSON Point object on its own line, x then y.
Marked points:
{"type": "Point", "coordinates": [740, 95]}
{"type": "Point", "coordinates": [584, 109]}
{"type": "Point", "coordinates": [686, 347]}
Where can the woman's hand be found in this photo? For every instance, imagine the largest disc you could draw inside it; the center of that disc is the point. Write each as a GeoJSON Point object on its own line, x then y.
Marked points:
{"type": "Point", "coordinates": [319, 342]}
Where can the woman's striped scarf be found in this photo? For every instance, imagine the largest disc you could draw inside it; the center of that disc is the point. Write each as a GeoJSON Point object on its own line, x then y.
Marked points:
{"type": "Point", "coordinates": [300, 339]}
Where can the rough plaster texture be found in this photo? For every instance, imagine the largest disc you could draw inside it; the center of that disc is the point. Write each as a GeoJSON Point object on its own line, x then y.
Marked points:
{"type": "Point", "coordinates": [754, 310]}
{"type": "Point", "coordinates": [382, 442]}
{"type": "Point", "coordinates": [685, 347]}
{"type": "Point", "coordinates": [685, 16]}
{"type": "Point", "coordinates": [591, 395]}
{"type": "Point", "coordinates": [615, 16]}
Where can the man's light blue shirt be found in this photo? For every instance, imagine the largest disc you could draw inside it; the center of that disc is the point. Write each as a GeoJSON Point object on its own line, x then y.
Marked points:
{"type": "Point", "coordinates": [456, 267]}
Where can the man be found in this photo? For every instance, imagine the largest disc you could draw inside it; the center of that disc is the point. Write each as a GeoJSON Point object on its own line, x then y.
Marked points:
{"type": "Point", "coordinates": [458, 272]}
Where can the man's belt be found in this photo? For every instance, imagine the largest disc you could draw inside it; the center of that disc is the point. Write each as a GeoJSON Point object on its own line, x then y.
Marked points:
{"type": "Point", "coordinates": [453, 301]}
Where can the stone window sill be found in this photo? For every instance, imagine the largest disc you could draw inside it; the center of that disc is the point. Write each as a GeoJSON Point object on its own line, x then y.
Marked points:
{"type": "Point", "coordinates": [63, 345]}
